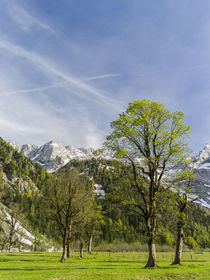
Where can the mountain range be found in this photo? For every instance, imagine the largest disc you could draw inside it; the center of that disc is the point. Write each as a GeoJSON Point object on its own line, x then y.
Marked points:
{"type": "Point", "coordinates": [24, 181]}
{"type": "Point", "coordinates": [201, 184]}
{"type": "Point", "coordinates": [53, 155]}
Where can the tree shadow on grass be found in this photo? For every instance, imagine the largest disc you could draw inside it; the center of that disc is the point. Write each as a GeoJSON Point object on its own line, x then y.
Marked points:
{"type": "Point", "coordinates": [56, 269]}
{"type": "Point", "coordinates": [30, 260]}
{"type": "Point", "coordinates": [4, 260]}
{"type": "Point", "coordinates": [110, 261]}
{"type": "Point", "coordinates": [168, 267]}
{"type": "Point", "coordinates": [30, 269]}
{"type": "Point", "coordinates": [20, 260]}
{"type": "Point", "coordinates": [185, 261]}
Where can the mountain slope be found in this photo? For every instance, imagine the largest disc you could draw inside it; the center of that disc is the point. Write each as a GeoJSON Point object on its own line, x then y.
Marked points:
{"type": "Point", "coordinates": [201, 185]}
{"type": "Point", "coordinates": [21, 184]}
{"type": "Point", "coordinates": [52, 155]}
{"type": "Point", "coordinates": [121, 220]}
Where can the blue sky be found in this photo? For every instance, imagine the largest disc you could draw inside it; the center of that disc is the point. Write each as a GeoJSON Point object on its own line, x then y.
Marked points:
{"type": "Point", "coordinates": [69, 67]}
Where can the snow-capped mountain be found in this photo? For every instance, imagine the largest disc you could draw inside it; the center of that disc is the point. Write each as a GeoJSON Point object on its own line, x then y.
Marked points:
{"type": "Point", "coordinates": [203, 157]}
{"type": "Point", "coordinates": [201, 185]}
{"type": "Point", "coordinates": [53, 155]}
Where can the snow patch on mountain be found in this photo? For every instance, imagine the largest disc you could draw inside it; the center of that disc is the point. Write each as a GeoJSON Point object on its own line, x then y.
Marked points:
{"type": "Point", "coordinates": [204, 166]}
{"type": "Point", "coordinates": [99, 190]}
{"type": "Point", "coordinates": [53, 155]}
{"type": "Point", "coordinates": [11, 224]}
{"type": "Point", "coordinates": [23, 235]}
{"type": "Point", "coordinates": [203, 156]}
{"type": "Point", "coordinates": [201, 183]}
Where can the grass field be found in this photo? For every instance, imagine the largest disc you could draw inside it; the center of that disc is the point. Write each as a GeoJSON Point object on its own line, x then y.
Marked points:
{"type": "Point", "coordinates": [46, 266]}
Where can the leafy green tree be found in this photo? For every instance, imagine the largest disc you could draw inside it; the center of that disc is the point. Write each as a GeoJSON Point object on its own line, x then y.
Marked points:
{"type": "Point", "coordinates": [182, 188]}
{"type": "Point", "coordinates": [67, 197]}
{"type": "Point", "coordinates": [151, 139]}
{"type": "Point", "coordinates": [88, 223]}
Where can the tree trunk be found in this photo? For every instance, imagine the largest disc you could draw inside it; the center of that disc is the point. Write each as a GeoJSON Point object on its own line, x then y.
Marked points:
{"type": "Point", "coordinates": [150, 221]}
{"type": "Point", "coordinates": [10, 241]}
{"type": "Point", "coordinates": [150, 224]}
{"type": "Point", "coordinates": [81, 249]}
{"type": "Point", "coordinates": [179, 244]}
{"type": "Point", "coordinates": [69, 255]}
{"type": "Point", "coordinates": [64, 255]}
{"type": "Point", "coordinates": [10, 245]}
{"type": "Point", "coordinates": [152, 261]}
{"type": "Point", "coordinates": [90, 244]}
{"type": "Point", "coordinates": [69, 244]}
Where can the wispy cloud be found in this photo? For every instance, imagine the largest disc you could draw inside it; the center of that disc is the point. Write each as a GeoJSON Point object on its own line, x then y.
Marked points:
{"type": "Point", "coordinates": [31, 90]}
{"type": "Point", "coordinates": [55, 85]}
{"type": "Point", "coordinates": [67, 73]}
{"type": "Point", "coordinates": [23, 18]}
{"type": "Point", "coordinates": [42, 124]}
{"type": "Point", "coordinates": [86, 91]}
{"type": "Point", "coordinates": [14, 126]}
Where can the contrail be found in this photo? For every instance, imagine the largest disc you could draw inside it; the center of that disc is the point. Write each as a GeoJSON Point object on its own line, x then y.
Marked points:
{"type": "Point", "coordinates": [102, 77]}
{"type": "Point", "coordinates": [55, 85]}
{"type": "Point", "coordinates": [23, 17]}
{"type": "Point", "coordinates": [45, 64]}
{"type": "Point", "coordinates": [31, 89]}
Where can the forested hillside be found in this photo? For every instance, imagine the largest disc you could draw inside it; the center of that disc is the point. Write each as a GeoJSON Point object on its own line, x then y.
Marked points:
{"type": "Point", "coordinates": [21, 185]}
{"type": "Point", "coordinates": [121, 221]}
{"type": "Point", "coordinates": [26, 187]}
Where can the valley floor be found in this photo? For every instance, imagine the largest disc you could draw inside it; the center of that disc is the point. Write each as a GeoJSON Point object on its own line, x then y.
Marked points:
{"type": "Point", "coordinates": [46, 266]}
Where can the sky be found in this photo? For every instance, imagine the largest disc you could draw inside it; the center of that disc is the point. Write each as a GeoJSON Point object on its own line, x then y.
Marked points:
{"type": "Point", "coordinates": [69, 67]}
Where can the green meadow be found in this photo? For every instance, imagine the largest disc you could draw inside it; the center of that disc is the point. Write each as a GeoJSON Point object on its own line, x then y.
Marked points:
{"type": "Point", "coordinates": [46, 266]}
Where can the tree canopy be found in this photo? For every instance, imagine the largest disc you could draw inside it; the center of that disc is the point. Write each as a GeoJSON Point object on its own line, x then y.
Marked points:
{"type": "Point", "coordinates": [152, 139]}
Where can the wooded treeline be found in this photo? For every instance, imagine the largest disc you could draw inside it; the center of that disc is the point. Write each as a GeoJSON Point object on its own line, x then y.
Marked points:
{"type": "Point", "coordinates": [117, 219]}
{"type": "Point", "coordinates": [136, 206]}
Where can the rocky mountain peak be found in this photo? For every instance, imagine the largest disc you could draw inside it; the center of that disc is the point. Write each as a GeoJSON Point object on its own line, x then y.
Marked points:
{"type": "Point", "coordinates": [26, 149]}
{"type": "Point", "coordinates": [203, 156]}
{"type": "Point", "coordinates": [201, 184]}
{"type": "Point", "coordinates": [51, 150]}
{"type": "Point", "coordinates": [53, 155]}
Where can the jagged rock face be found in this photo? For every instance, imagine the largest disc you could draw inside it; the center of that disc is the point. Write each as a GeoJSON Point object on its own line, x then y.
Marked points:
{"type": "Point", "coordinates": [19, 232]}
{"type": "Point", "coordinates": [201, 185]}
{"type": "Point", "coordinates": [28, 148]}
{"type": "Point", "coordinates": [53, 155]}
{"type": "Point", "coordinates": [203, 156]}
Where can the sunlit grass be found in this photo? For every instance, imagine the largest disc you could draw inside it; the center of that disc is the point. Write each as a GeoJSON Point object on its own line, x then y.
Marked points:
{"type": "Point", "coordinates": [40, 266]}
